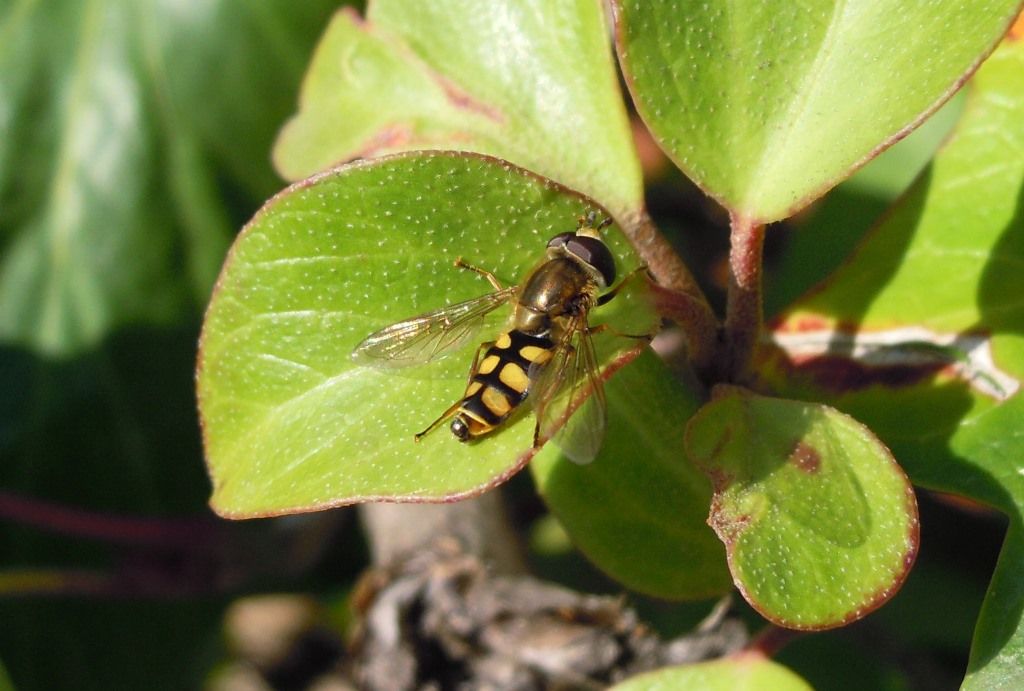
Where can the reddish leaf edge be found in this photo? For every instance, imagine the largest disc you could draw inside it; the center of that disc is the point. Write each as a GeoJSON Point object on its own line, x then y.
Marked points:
{"type": "Point", "coordinates": [390, 135]}
{"type": "Point", "coordinates": [1010, 31]}
{"type": "Point", "coordinates": [773, 352]}
{"type": "Point", "coordinates": [720, 481]}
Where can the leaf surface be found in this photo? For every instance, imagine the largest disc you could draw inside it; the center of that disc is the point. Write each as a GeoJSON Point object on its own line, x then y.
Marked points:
{"type": "Point", "coordinates": [736, 673]}
{"type": "Point", "coordinates": [529, 81]}
{"type": "Point", "coordinates": [819, 522]}
{"type": "Point", "coordinates": [291, 422]}
{"type": "Point", "coordinates": [921, 334]}
{"type": "Point", "coordinates": [766, 105]}
{"type": "Point", "coordinates": [639, 511]}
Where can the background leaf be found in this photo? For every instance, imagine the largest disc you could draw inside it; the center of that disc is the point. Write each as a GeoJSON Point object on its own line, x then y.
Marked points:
{"type": "Point", "coordinates": [111, 146]}
{"type": "Point", "coordinates": [755, 100]}
{"type": "Point", "coordinates": [291, 422]}
{"type": "Point", "coordinates": [925, 326]}
{"type": "Point", "coordinates": [529, 81]}
{"type": "Point", "coordinates": [639, 511]}
{"type": "Point", "coordinates": [819, 522]}
{"type": "Point", "coordinates": [737, 673]}
{"type": "Point", "coordinates": [134, 139]}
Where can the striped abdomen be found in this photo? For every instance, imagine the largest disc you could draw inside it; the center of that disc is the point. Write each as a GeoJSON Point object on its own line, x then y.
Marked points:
{"type": "Point", "coordinates": [500, 383]}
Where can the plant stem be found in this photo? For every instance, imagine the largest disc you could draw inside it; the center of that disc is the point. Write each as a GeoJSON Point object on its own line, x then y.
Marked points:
{"type": "Point", "coordinates": [163, 532]}
{"type": "Point", "coordinates": [395, 531]}
{"type": "Point", "coordinates": [658, 254]}
{"type": "Point", "coordinates": [55, 582]}
{"type": "Point", "coordinates": [695, 318]}
{"type": "Point", "coordinates": [677, 294]}
{"type": "Point", "coordinates": [745, 301]}
{"type": "Point", "coordinates": [771, 639]}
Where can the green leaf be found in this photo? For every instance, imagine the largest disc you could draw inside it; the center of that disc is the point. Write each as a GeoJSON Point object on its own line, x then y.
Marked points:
{"type": "Point", "coordinates": [926, 328]}
{"type": "Point", "coordinates": [743, 672]}
{"type": "Point", "coordinates": [766, 105]}
{"type": "Point", "coordinates": [530, 81]}
{"type": "Point", "coordinates": [819, 522]}
{"type": "Point", "coordinates": [998, 640]}
{"type": "Point", "coordinates": [817, 242]}
{"type": "Point", "coordinates": [291, 423]}
{"type": "Point", "coordinates": [639, 511]}
{"type": "Point", "coordinates": [113, 130]}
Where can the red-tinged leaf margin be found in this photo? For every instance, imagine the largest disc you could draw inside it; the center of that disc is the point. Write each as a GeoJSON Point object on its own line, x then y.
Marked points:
{"type": "Point", "coordinates": [1014, 30]}
{"type": "Point", "coordinates": [729, 529]}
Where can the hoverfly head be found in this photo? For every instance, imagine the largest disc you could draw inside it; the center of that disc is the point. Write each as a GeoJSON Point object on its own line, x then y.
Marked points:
{"type": "Point", "coordinates": [586, 246]}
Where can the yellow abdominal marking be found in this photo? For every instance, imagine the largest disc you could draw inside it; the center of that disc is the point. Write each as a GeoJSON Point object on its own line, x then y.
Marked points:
{"type": "Point", "coordinates": [473, 388]}
{"type": "Point", "coordinates": [535, 354]}
{"type": "Point", "coordinates": [504, 341]}
{"type": "Point", "coordinates": [488, 365]}
{"type": "Point", "coordinates": [496, 401]}
{"type": "Point", "coordinates": [513, 376]}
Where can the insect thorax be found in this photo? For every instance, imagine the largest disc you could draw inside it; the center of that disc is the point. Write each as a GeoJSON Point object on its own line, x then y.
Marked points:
{"type": "Point", "coordinates": [558, 287]}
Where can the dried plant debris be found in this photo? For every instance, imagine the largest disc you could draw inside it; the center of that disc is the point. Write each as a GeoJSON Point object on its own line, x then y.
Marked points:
{"type": "Point", "coordinates": [440, 620]}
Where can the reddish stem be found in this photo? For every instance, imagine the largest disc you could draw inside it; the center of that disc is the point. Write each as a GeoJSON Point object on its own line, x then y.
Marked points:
{"type": "Point", "coordinates": [678, 296]}
{"type": "Point", "coordinates": [696, 319]}
{"type": "Point", "coordinates": [187, 533]}
{"type": "Point", "coordinates": [771, 639]}
{"type": "Point", "coordinates": [744, 304]}
{"type": "Point", "coordinates": [658, 254]}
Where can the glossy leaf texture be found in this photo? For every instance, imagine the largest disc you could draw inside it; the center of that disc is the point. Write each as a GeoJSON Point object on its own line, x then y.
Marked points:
{"type": "Point", "coordinates": [920, 335]}
{"type": "Point", "coordinates": [529, 81]}
{"type": "Point", "coordinates": [820, 524]}
{"type": "Point", "coordinates": [744, 672]}
{"type": "Point", "coordinates": [114, 131]}
{"type": "Point", "coordinates": [291, 422]}
{"type": "Point", "coordinates": [766, 105]}
{"type": "Point", "coordinates": [639, 511]}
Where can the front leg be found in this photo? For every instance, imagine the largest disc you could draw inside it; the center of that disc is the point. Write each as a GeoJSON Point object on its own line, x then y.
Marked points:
{"type": "Point", "coordinates": [483, 272]}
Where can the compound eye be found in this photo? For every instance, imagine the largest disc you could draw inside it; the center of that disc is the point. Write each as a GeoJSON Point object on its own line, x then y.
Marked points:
{"type": "Point", "coordinates": [560, 240]}
{"type": "Point", "coordinates": [595, 253]}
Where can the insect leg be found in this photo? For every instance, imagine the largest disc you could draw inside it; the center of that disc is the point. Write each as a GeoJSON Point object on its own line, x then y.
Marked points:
{"type": "Point", "coordinates": [591, 330]}
{"type": "Point", "coordinates": [476, 360]}
{"type": "Point", "coordinates": [604, 299]}
{"type": "Point", "coordinates": [483, 272]}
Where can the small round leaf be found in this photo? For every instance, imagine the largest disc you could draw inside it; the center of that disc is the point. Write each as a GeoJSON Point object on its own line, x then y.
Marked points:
{"type": "Point", "coordinates": [819, 523]}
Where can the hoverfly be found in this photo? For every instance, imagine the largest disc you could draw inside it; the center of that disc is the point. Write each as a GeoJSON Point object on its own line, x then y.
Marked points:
{"type": "Point", "coordinates": [545, 357]}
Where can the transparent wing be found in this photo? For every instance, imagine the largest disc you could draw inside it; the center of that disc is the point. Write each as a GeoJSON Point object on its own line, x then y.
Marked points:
{"type": "Point", "coordinates": [570, 403]}
{"type": "Point", "coordinates": [429, 336]}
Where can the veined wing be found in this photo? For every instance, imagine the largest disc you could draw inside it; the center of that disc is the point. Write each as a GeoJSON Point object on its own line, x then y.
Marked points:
{"type": "Point", "coordinates": [429, 336]}
{"type": "Point", "coordinates": [570, 403]}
